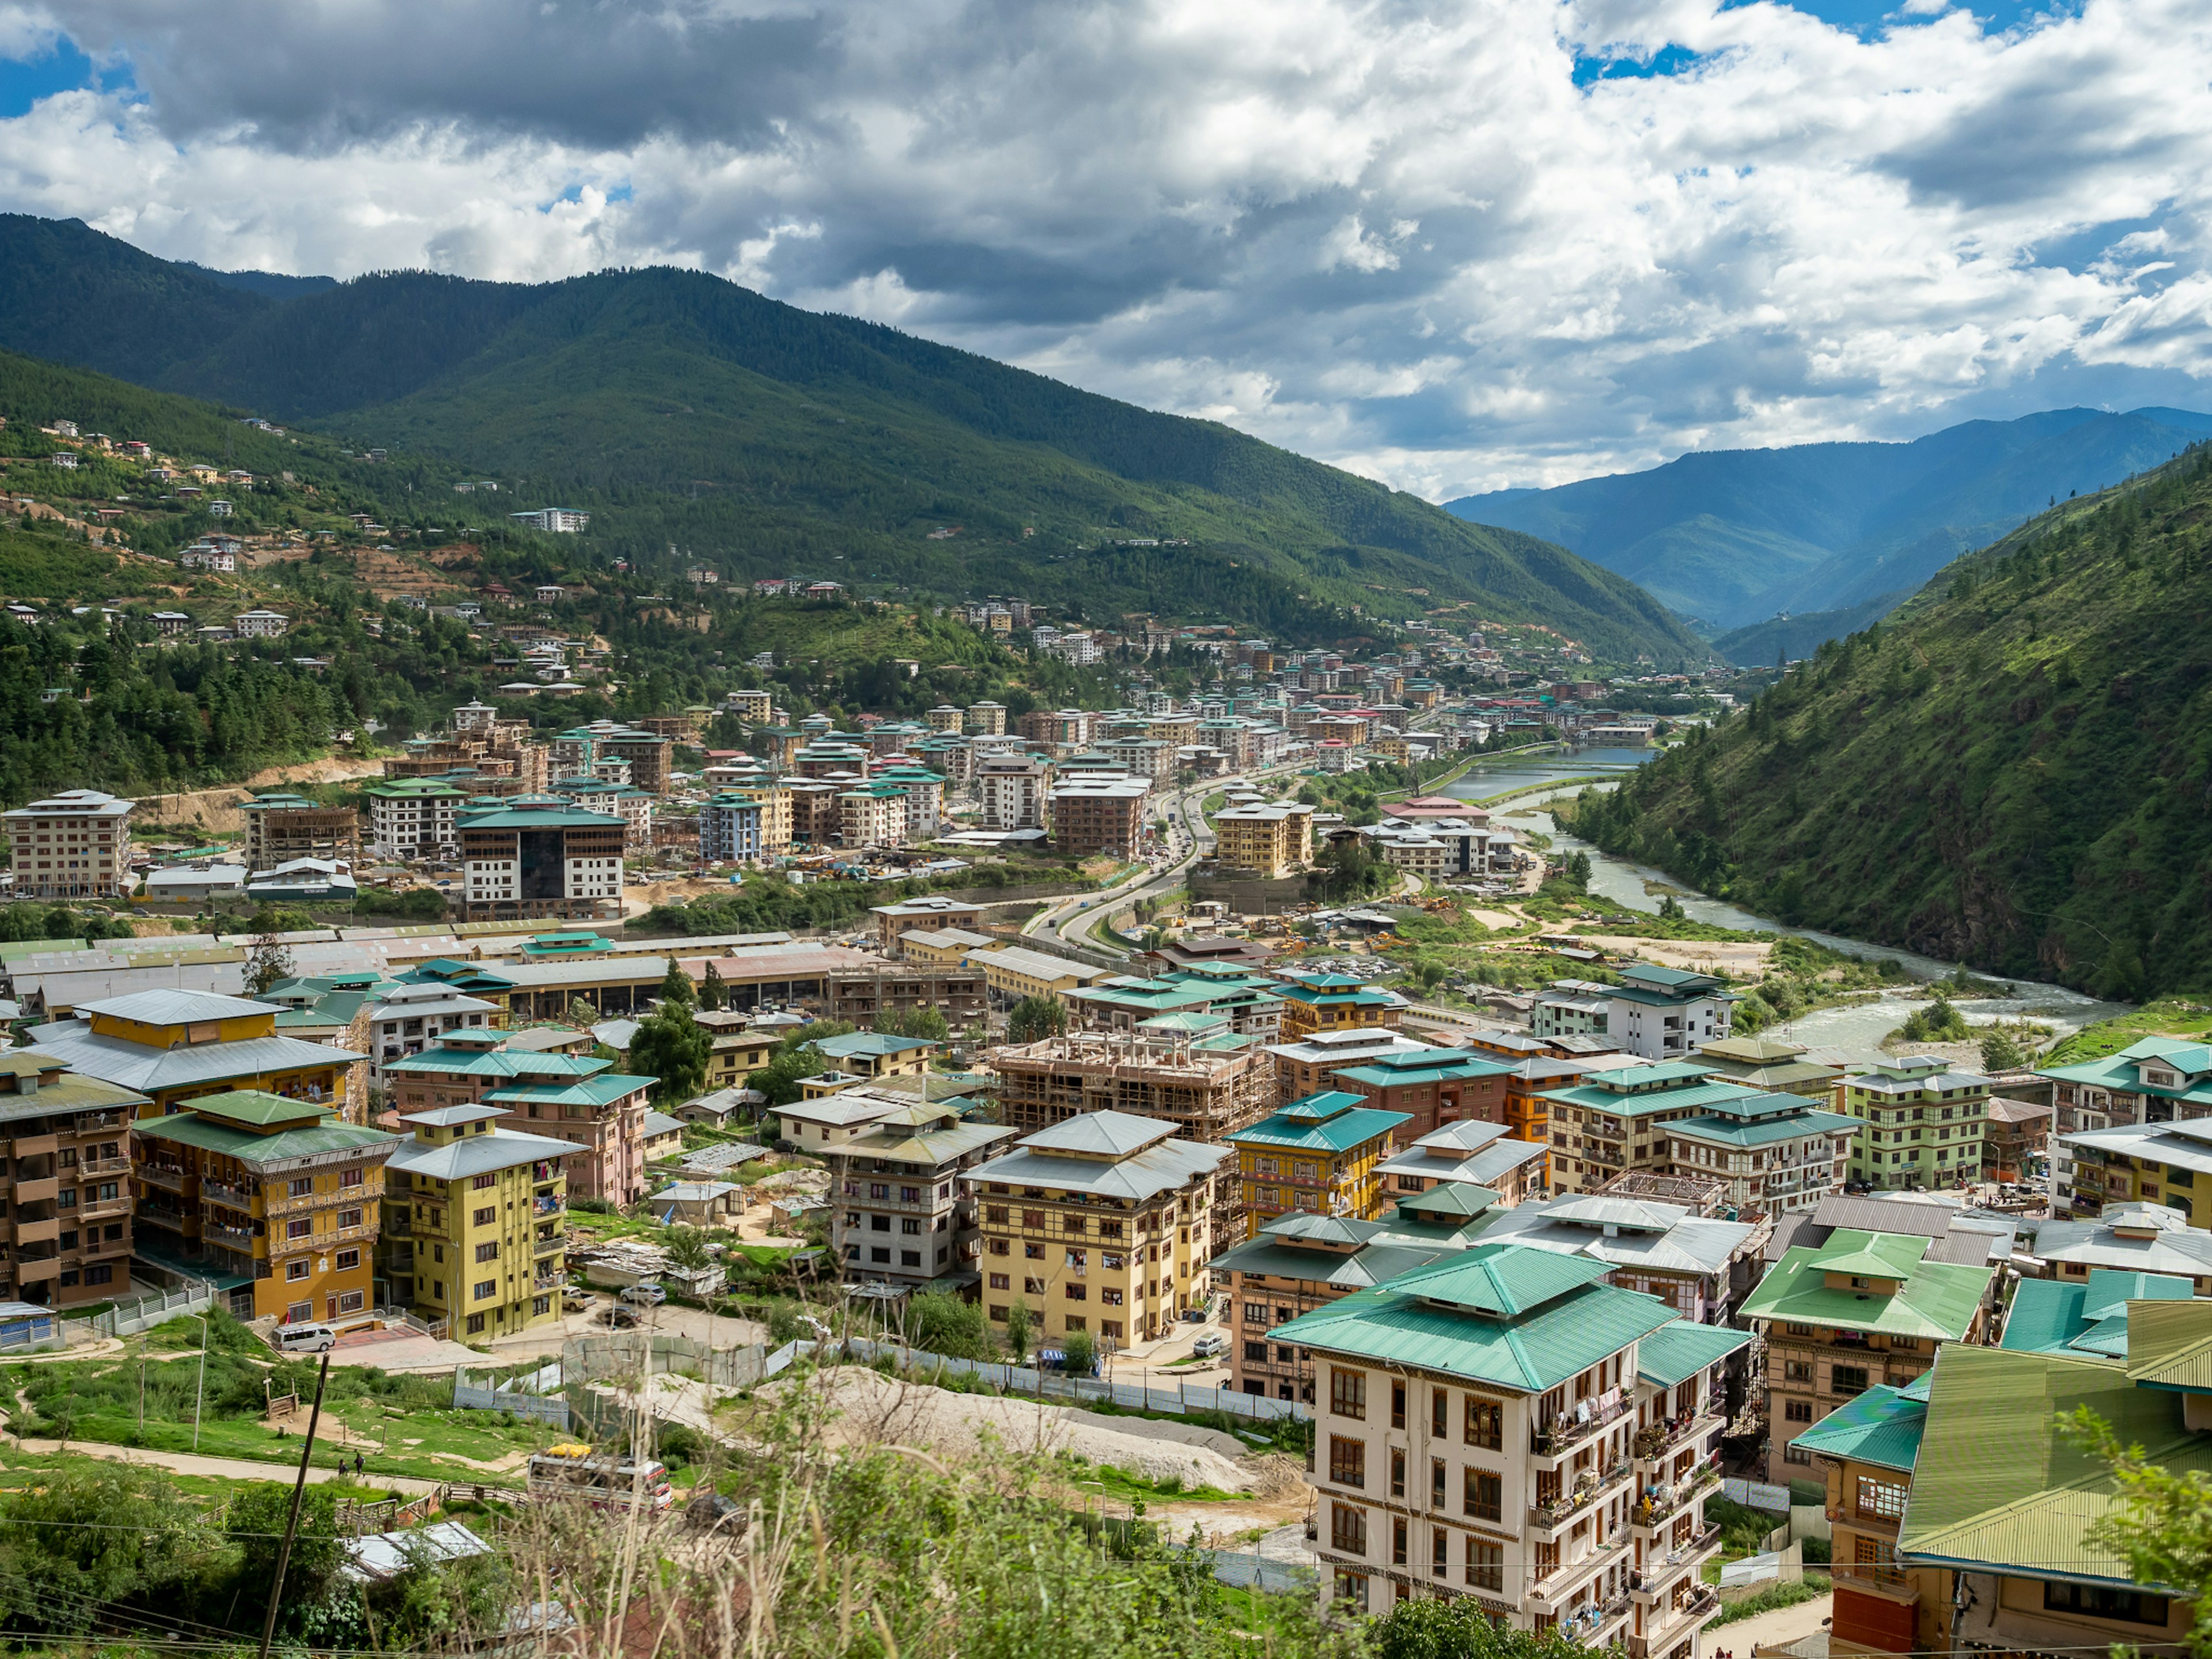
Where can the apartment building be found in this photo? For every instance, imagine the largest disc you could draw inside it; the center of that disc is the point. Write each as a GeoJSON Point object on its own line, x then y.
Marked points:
{"type": "Point", "coordinates": [1475, 1429]}
{"type": "Point", "coordinates": [73, 845]}
{"type": "Point", "coordinates": [730, 829]}
{"type": "Point", "coordinates": [1270, 841]}
{"type": "Point", "coordinates": [1923, 1122]}
{"type": "Point", "coordinates": [1206, 1094]}
{"type": "Point", "coordinates": [413, 818]}
{"type": "Point", "coordinates": [1859, 1308]}
{"type": "Point", "coordinates": [275, 1200]}
{"type": "Point", "coordinates": [66, 1182]}
{"type": "Point", "coordinates": [406, 1018]}
{"type": "Point", "coordinates": [2155, 1079]}
{"type": "Point", "coordinates": [1318, 1156]}
{"type": "Point", "coordinates": [1432, 1086]}
{"type": "Point", "coordinates": [1102, 1223]}
{"type": "Point", "coordinates": [281, 826]}
{"type": "Point", "coordinates": [1656, 1014]}
{"type": "Point", "coordinates": [2133, 1238]}
{"type": "Point", "coordinates": [1100, 815]}
{"type": "Point", "coordinates": [1694, 1263]}
{"type": "Point", "coordinates": [1773, 1064]}
{"type": "Point", "coordinates": [1315, 1001]}
{"type": "Point", "coordinates": [476, 1222]}
{"type": "Point", "coordinates": [633, 805]}
{"type": "Point", "coordinates": [529, 860]}
{"type": "Point", "coordinates": [1775, 1151]}
{"type": "Point", "coordinates": [170, 1046]}
{"type": "Point", "coordinates": [1473, 1152]}
{"type": "Point", "coordinates": [961, 994]}
{"type": "Point", "coordinates": [902, 1210]}
{"type": "Point", "coordinates": [929, 913]}
{"type": "Point", "coordinates": [1122, 1002]}
{"type": "Point", "coordinates": [1316, 1062]}
{"type": "Point", "coordinates": [1864, 1452]}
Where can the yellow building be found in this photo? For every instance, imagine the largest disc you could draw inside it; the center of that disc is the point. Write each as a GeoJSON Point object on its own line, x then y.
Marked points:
{"type": "Point", "coordinates": [1272, 841]}
{"type": "Point", "coordinates": [476, 1222]}
{"type": "Point", "coordinates": [173, 1046]}
{"type": "Point", "coordinates": [738, 1050]}
{"type": "Point", "coordinates": [1316, 1002]}
{"type": "Point", "coordinates": [1012, 972]}
{"type": "Point", "coordinates": [1320, 1156]}
{"type": "Point", "coordinates": [1103, 1223]}
{"type": "Point", "coordinates": [274, 1201]}
{"type": "Point", "coordinates": [942, 947]}
{"type": "Point", "coordinates": [774, 799]}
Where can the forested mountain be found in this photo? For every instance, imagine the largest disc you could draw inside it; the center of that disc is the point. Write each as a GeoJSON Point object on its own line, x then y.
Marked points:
{"type": "Point", "coordinates": [699, 421]}
{"type": "Point", "coordinates": [2012, 770]}
{"type": "Point", "coordinates": [1733, 537]}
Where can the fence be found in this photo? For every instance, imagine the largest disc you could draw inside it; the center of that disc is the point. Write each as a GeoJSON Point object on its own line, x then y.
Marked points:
{"type": "Point", "coordinates": [643, 1354]}
{"type": "Point", "coordinates": [469, 1396]}
{"type": "Point", "coordinates": [357, 1519]}
{"type": "Point", "coordinates": [1241, 1570]}
{"type": "Point", "coordinates": [1181, 1399]}
{"type": "Point", "coordinates": [142, 1313]}
{"type": "Point", "coordinates": [1754, 1495]}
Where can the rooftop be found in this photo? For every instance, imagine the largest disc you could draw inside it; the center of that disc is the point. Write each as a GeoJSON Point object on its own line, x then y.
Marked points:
{"type": "Point", "coordinates": [1934, 1299]}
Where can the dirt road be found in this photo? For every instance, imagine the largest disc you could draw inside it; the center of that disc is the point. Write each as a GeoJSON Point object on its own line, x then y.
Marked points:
{"type": "Point", "coordinates": [231, 1468]}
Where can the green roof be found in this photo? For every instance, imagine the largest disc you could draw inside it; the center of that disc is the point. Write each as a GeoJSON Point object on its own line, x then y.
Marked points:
{"type": "Point", "coordinates": [601, 1090]}
{"type": "Point", "coordinates": [2170, 1346]}
{"type": "Point", "coordinates": [1675, 1353]}
{"type": "Point", "coordinates": [1997, 1486]}
{"type": "Point", "coordinates": [187, 1128]}
{"type": "Point", "coordinates": [258, 1107]}
{"type": "Point", "coordinates": [1701, 1095]}
{"type": "Point", "coordinates": [1394, 1070]}
{"type": "Point", "coordinates": [1450, 1198]}
{"type": "Point", "coordinates": [1937, 1300]}
{"type": "Point", "coordinates": [1332, 1121]}
{"type": "Point", "coordinates": [2051, 1316]}
{"type": "Point", "coordinates": [497, 1062]}
{"type": "Point", "coordinates": [1881, 1426]}
{"type": "Point", "coordinates": [1505, 1279]}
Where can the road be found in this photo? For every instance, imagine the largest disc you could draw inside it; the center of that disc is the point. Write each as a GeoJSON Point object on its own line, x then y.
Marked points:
{"type": "Point", "coordinates": [232, 1468]}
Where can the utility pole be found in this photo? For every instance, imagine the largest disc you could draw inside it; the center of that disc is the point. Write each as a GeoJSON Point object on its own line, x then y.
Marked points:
{"type": "Point", "coordinates": [199, 1396]}
{"type": "Point", "coordinates": [292, 1522]}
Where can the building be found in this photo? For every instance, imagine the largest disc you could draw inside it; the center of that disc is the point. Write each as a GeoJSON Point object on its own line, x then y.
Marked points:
{"type": "Point", "coordinates": [528, 860]}
{"type": "Point", "coordinates": [281, 827]}
{"type": "Point", "coordinates": [73, 845]}
{"type": "Point", "coordinates": [1309, 1066]}
{"type": "Point", "coordinates": [1100, 815]}
{"type": "Point", "coordinates": [1469, 1152]}
{"type": "Point", "coordinates": [1475, 1435]}
{"type": "Point", "coordinates": [1012, 972]}
{"type": "Point", "coordinates": [730, 829]}
{"type": "Point", "coordinates": [959, 993]}
{"type": "Point", "coordinates": [1865, 1452]}
{"type": "Point", "coordinates": [2132, 1238]}
{"type": "Point", "coordinates": [876, 1054]}
{"type": "Point", "coordinates": [1270, 841]}
{"type": "Point", "coordinates": [1319, 1156]}
{"type": "Point", "coordinates": [406, 1020]}
{"type": "Point", "coordinates": [1923, 1123]}
{"type": "Point", "coordinates": [555, 520]}
{"type": "Point", "coordinates": [476, 1222]}
{"type": "Point", "coordinates": [1102, 1223]}
{"type": "Point", "coordinates": [1620, 1119]}
{"type": "Point", "coordinates": [1206, 1093]}
{"type": "Point", "coordinates": [171, 1045]}
{"type": "Point", "coordinates": [902, 1212]}
{"type": "Point", "coordinates": [1011, 789]}
{"type": "Point", "coordinates": [1776, 1152]}
{"type": "Point", "coordinates": [413, 818]}
{"type": "Point", "coordinates": [1432, 1086]}
{"type": "Point", "coordinates": [928, 913]}
{"type": "Point", "coordinates": [1314, 1001]}
{"type": "Point", "coordinates": [1246, 1001]}
{"type": "Point", "coordinates": [2015, 1134]}
{"type": "Point", "coordinates": [1770, 1064]}
{"type": "Point", "coordinates": [941, 947]}
{"type": "Point", "coordinates": [208, 1175]}
{"type": "Point", "coordinates": [660, 1137]}
{"type": "Point", "coordinates": [69, 1183]}
{"type": "Point", "coordinates": [1659, 1013]}
{"type": "Point", "coordinates": [2155, 1079]}
{"type": "Point", "coordinates": [836, 1116]}
{"type": "Point", "coordinates": [1696, 1264]}
{"type": "Point", "coordinates": [259, 624]}
{"type": "Point", "coordinates": [1860, 1309]}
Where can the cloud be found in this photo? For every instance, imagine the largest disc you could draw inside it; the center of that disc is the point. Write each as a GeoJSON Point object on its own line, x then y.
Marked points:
{"type": "Point", "coordinates": [1455, 246]}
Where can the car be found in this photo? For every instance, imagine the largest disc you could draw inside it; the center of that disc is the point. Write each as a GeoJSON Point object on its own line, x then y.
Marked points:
{"type": "Point", "coordinates": [645, 1295]}
{"type": "Point", "coordinates": [575, 1301]}
{"type": "Point", "coordinates": [305, 1338]}
{"type": "Point", "coordinates": [1211, 1346]}
{"type": "Point", "coordinates": [617, 1317]}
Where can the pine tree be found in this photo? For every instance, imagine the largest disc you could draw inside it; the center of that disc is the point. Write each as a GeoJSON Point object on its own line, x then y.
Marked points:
{"type": "Point", "coordinates": [676, 985]}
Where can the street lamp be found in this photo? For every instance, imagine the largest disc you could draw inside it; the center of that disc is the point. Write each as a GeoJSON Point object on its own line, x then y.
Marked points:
{"type": "Point", "coordinates": [199, 1394]}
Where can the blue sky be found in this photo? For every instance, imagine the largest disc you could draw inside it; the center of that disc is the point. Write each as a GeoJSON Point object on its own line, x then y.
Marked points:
{"type": "Point", "coordinates": [1455, 246]}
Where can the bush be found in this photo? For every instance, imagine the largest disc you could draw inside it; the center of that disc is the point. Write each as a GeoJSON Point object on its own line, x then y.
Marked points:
{"type": "Point", "coordinates": [945, 1324]}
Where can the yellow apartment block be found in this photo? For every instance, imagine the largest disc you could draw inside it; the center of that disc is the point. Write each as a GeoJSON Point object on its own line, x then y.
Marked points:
{"type": "Point", "coordinates": [476, 1227]}
{"type": "Point", "coordinates": [1270, 841]}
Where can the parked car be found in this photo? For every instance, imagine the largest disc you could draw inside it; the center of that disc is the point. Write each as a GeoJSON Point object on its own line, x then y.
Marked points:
{"type": "Point", "coordinates": [575, 1301]}
{"type": "Point", "coordinates": [618, 1317]}
{"type": "Point", "coordinates": [305, 1338]}
{"type": "Point", "coordinates": [1211, 1346]}
{"type": "Point", "coordinates": [647, 1295]}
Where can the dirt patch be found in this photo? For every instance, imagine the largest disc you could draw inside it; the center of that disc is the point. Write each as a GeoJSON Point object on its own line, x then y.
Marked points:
{"type": "Point", "coordinates": [216, 810]}
{"type": "Point", "coordinates": [1743, 959]}
{"type": "Point", "coordinates": [1501, 921]}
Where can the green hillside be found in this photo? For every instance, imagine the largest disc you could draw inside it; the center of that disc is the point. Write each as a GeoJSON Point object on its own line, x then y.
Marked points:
{"type": "Point", "coordinates": [2012, 771]}
{"type": "Point", "coordinates": [698, 421]}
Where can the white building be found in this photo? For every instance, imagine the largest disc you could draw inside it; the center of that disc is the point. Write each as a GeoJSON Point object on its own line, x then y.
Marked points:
{"type": "Point", "coordinates": [73, 845]}
{"type": "Point", "coordinates": [408, 1018]}
{"type": "Point", "coordinates": [1011, 788]}
{"type": "Point", "coordinates": [556, 520]}
{"type": "Point", "coordinates": [1656, 1014]}
{"type": "Point", "coordinates": [259, 624]}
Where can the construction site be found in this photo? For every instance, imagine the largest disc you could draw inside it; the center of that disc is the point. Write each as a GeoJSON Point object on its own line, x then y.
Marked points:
{"type": "Point", "coordinates": [1208, 1094]}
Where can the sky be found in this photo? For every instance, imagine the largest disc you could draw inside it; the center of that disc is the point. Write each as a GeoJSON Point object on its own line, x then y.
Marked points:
{"type": "Point", "coordinates": [1456, 247]}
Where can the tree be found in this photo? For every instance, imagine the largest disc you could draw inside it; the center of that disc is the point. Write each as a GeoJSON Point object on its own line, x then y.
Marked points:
{"type": "Point", "coordinates": [2000, 1053]}
{"type": "Point", "coordinates": [256, 1517]}
{"type": "Point", "coordinates": [268, 963]}
{"type": "Point", "coordinates": [1035, 1018]}
{"type": "Point", "coordinates": [686, 1247]}
{"type": "Point", "coordinates": [1017, 1330]}
{"type": "Point", "coordinates": [85, 1537]}
{"type": "Point", "coordinates": [1082, 1351]}
{"type": "Point", "coordinates": [671, 1046]}
{"type": "Point", "coordinates": [581, 1014]}
{"type": "Point", "coordinates": [925, 1022]}
{"type": "Point", "coordinates": [1459, 1629]}
{"type": "Point", "coordinates": [948, 1325]}
{"type": "Point", "coordinates": [713, 995]}
{"type": "Point", "coordinates": [676, 985]}
{"type": "Point", "coordinates": [2163, 1526]}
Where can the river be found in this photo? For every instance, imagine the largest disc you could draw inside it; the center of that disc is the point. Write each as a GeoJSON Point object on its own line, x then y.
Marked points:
{"type": "Point", "coordinates": [1634, 887]}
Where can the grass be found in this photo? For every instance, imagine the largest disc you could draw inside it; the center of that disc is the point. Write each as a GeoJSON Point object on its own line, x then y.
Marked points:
{"type": "Point", "coordinates": [1132, 1488]}
{"type": "Point", "coordinates": [1772, 1599]}
{"type": "Point", "coordinates": [2168, 1017]}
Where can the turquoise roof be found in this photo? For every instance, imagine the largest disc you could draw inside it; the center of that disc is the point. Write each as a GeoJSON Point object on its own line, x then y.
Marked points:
{"type": "Point", "coordinates": [1331, 1122]}
{"type": "Point", "coordinates": [1675, 1353]}
{"type": "Point", "coordinates": [874, 1044]}
{"type": "Point", "coordinates": [1936, 1299]}
{"type": "Point", "coordinates": [601, 1091]}
{"type": "Point", "coordinates": [1703, 1095]}
{"type": "Point", "coordinates": [2084, 1321]}
{"type": "Point", "coordinates": [1881, 1426]}
{"type": "Point", "coordinates": [497, 1062]}
{"type": "Point", "coordinates": [1764, 1130]}
{"type": "Point", "coordinates": [1436, 1066]}
{"type": "Point", "coordinates": [2190, 1061]}
{"type": "Point", "coordinates": [1505, 1279]}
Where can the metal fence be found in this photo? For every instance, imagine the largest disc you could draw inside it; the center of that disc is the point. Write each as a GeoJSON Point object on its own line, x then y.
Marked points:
{"type": "Point", "coordinates": [1241, 1569]}
{"type": "Point", "coordinates": [142, 1313]}
{"type": "Point", "coordinates": [469, 1396]}
{"type": "Point", "coordinates": [1181, 1399]}
{"type": "Point", "coordinates": [1755, 1495]}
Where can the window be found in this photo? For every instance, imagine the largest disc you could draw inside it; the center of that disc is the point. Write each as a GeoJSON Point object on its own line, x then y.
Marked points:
{"type": "Point", "coordinates": [1397, 1405]}
{"type": "Point", "coordinates": [484, 1181]}
{"type": "Point", "coordinates": [1397, 1474]}
{"type": "Point", "coordinates": [301, 1187]}
{"type": "Point", "coordinates": [1347, 1393]}
{"type": "Point", "coordinates": [1033, 1287]}
{"type": "Point", "coordinates": [910, 1225]}
{"type": "Point", "coordinates": [1847, 1379]}
{"type": "Point", "coordinates": [348, 1260]}
{"type": "Point", "coordinates": [350, 1178]}
{"type": "Point", "coordinates": [1256, 1313]}
{"type": "Point", "coordinates": [995, 1215]}
{"type": "Point", "coordinates": [1439, 1413]}
{"type": "Point", "coordinates": [1398, 1530]}
{"type": "Point", "coordinates": [488, 1251]}
{"type": "Point", "coordinates": [1883, 1500]}
{"type": "Point", "coordinates": [1075, 1291]}
{"type": "Point", "coordinates": [476, 1324]}
{"type": "Point", "coordinates": [1797, 1411]}
{"type": "Point", "coordinates": [998, 1282]}
{"type": "Point", "coordinates": [1347, 1529]}
{"type": "Point", "coordinates": [349, 1219]}
{"type": "Point", "coordinates": [1256, 1352]}
{"type": "Point", "coordinates": [99, 1274]}
{"type": "Point", "coordinates": [298, 1227]}
{"type": "Point", "coordinates": [484, 1290]}
{"type": "Point", "coordinates": [350, 1302]}
{"type": "Point", "coordinates": [1111, 1297]}
{"type": "Point", "coordinates": [295, 1271]}
{"type": "Point", "coordinates": [2104, 1602]}
{"type": "Point", "coordinates": [1797, 1371]}
{"type": "Point", "coordinates": [486, 1216]}
{"type": "Point", "coordinates": [1486, 1565]}
{"type": "Point", "coordinates": [1486, 1424]}
{"type": "Point", "coordinates": [1439, 1552]}
{"type": "Point", "coordinates": [999, 1247]}
{"type": "Point", "coordinates": [1436, 1483]}
{"type": "Point", "coordinates": [1484, 1496]}
{"type": "Point", "coordinates": [1033, 1252]}
{"type": "Point", "coordinates": [1033, 1219]}
{"type": "Point", "coordinates": [1347, 1460]}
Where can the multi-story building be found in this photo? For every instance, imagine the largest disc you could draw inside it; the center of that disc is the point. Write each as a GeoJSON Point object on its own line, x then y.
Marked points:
{"type": "Point", "coordinates": [1309, 1066]}
{"type": "Point", "coordinates": [281, 826]}
{"type": "Point", "coordinates": [873, 816]}
{"type": "Point", "coordinates": [2155, 1079]}
{"type": "Point", "coordinates": [405, 1019]}
{"type": "Point", "coordinates": [1011, 973]}
{"type": "Point", "coordinates": [529, 860]}
{"type": "Point", "coordinates": [1317, 1156]}
{"type": "Point", "coordinates": [476, 1222]}
{"type": "Point", "coordinates": [1769, 1063]}
{"type": "Point", "coordinates": [68, 1182]}
{"type": "Point", "coordinates": [1776, 1152]}
{"type": "Point", "coordinates": [1861, 1308]}
{"type": "Point", "coordinates": [633, 805]}
{"type": "Point", "coordinates": [171, 1045]}
{"type": "Point", "coordinates": [1924, 1123]}
{"type": "Point", "coordinates": [1692, 1262]}
{"type": "Point", "coordinates": [1616, 1119]}
{"type": "Point", "coordinates": [902, 1211]}
{"type": "Point", "coordinates": [2134, 1238]}
{"type": "Point", "coordinates": [1432, 1086]}
{"type": "Point", "coordinates": [1271, 841]}
{"type": "Point", "coordinates": [1476, 1427]}
{"type": "Point", "coordinates": [273, 1199]}
{"type": "Point", "coordinates": [1102, 1223]}
{"type": "Point", "coordinates": [1100, 815]}
{"type": "Point", "coordinates": [1865, 1452]}
{"type": "Point", "coordinates": [1206, 1093]}
{"type": "Point", "coordinates": [986, 718]}
{"type": "Point", "coordinates": [959, 993]}
{"type": "Point", "coordinates": [73, 845]}
{"type": "Point", "coordinates": [412, 818]}
{"type": "Point", "coordinates": [930, 912]}
{"type": "Point", "coordinates": [730, 829]}
{"type": "Point", "coordinates": [1315, 1001]}
{"type": "Point", "coordinates": [1246, 1001]}
{"type": "Point", "coordinates": [1471, 1152]}
{"type": "Point", "coordinates": [1659, 1013]}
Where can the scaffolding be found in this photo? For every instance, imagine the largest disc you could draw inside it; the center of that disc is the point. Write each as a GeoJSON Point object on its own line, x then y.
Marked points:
{"type": "Point", "coordinates": [1208, 1095]}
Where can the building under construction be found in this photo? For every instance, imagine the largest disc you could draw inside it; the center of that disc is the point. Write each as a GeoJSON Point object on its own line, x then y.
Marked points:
{"type": "Point", "coordinates": [1207, 1093]}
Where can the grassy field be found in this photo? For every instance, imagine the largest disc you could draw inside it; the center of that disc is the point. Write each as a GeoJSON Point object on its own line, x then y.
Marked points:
{"type": "Point", "coordinates": [2169, 1016]}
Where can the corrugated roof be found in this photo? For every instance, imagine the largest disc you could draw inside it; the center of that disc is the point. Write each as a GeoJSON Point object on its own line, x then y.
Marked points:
{"type": "Point", "coordinates": [132, 1065]}
{"type": "Point", "coordinates": [175, 1007]}
{"type": "Point", "coordinates": [480, 1154]}
{"type": "Point", "coordinates": [2170, 1346]}
{"type": "Point", "coordinates": [1107, 1134]}
{"type": "Point", "coordinates": [1157, 1168]}
{"type": "Point", "coordinates": [1675, 1353]}
{"type": "Point", "coordinates": [1937, 1300]}
{"type": "Point", "coordinates": [258, 1150]}
{"type": "Point", "coordinates": [1501, 1279]}
{"type": "Point", "coordinates": [1338, 1133]}
{"type": "Point", "coordinates": [1881, 1426]}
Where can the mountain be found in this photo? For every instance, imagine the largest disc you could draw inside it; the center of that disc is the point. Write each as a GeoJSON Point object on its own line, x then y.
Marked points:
{"type": "Point", "coordinates": [698, 421]}
{"type": "Point", "coordinates": [1785, 639]}
{"type": "Point", "coordinates": [1733, 537]}
{"type": "Point", "coordinates": [2012, 771]}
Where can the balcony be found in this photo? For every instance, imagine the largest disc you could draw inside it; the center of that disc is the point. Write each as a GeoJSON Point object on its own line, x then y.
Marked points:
{"type": "Point", "coordinates": [45, 1190]}
{"type": "Point", "coordinates": [239, 1198]}
{"type": "Point", "coordinates": [552, 1246]}
{"type": "Point", "coordinates": [1665, 1623]}
{"type": "Point", "coordinates": [1650, 1582]}
{"type": "Point", "coordinates": [549, 1206]}
{"type": "Point", "coordinates": [36, 1145]}
{"type": "Point", "coordinates": [103, 1166]}
{"type": "Point", "coordinates": [1595, 1625]}
{"type": "Point", "coordinates": [1655, 1512]}
{"type": "Point", "coordinates": [548, 1282]}
{"type": "Point", "coordinates": [237, 1238]}
{"type": "Point", "coordinates": [1569, 1433]}
{"type": "Point", "coordinates": [163, 1175]}
{"type": "Point", "coordinates": [1890, 1583]}
{"type": "Point", "coordinates": [101, 1207]}
{"type": "Point", "coordinates": [1553, 1590]}
{"type": "Point", "coordinates": [45, 1230]}
{"type": "Point", "coordinates": [31, 1270]}
{"type": "Point", "coordinates": [1561, 1512]}
{"type": "Point", "coordinates": [1656, 1444]}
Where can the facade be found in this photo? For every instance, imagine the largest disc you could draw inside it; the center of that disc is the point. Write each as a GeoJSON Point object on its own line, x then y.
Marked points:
{"type": "Point", "coordinates": [1314, 1002]}
{"type": "Point", "coordinates": [1688, 1260]}
{"type": "Point", "coordinates": [275, 1200]}
{"type": "Point", "coordinates": [528, 860]}
{"type": "Point", "coordinates": [476, 1222]}
{"type": "Point", "coordinates": [1271, 841]}
{"type": "Point", "coordinates": [172, 1046]}
{"type": "Point", "coordinates": [1206, 1094]}
{"type": "Point", "coordinates": [1318, 1156]}
{"type": "Point", "coordinates": [2156, 1080]}
{"type": "Point", "coordinates": [1839, 1317]}
{"type": "Point", "coordinates": [1923, 1123]}
{"type": "Point", "coordinates": [1310, 1067]}
{"type": "Point", "coordinates": [1865, 1452]}
{"type": "Point", "coordinates": [68, 1189]}
{"type": "Point", "coordinates": [1658, 1013]}
{"type": "Point", "coordinates": [902, 1210]}
{"type": "Point", "coordinates": [1432, 1086]}
{"type": "Point", "coordinates": [1471, 1152]}
{"type": "Point", "coordinates": [2015, 1136]}
{"type": "Point", "coordinates": [1103, 1223]}
{"type": "Point", "coordinates": [2129, 1238]}
{"type": "Point", "coordinates": [1776, 1152]}
{"type": "Point", "coordinates": [73, 845]}
{"type": "Point", "coordinates": [404, 1019]}
{"type": "Point", "coordinates": [1011, 973]}
{"type": "Point", "coordinates": [281, 827]}
{"type": "Point", "coordinates": [928, 913]}
{"type": "Point", "coordinates": [730, 829]}
{"type": "Point", "coordinates": [1614, 1121]}
{"type": "Point", "coordinates": [1100, 815]}
{"type": "Point", "coordinates": [413, 818]}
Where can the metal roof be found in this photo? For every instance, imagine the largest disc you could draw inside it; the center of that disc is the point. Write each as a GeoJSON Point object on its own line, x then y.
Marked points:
{"type": "Point", "coordinates": [2055, 1316]}
{"type": "Point", "coordinates": [1690, 1244]}
{"type": "Point", "coordinates": [1501, 1279]}
{"type": "Point", "coordinates": [1339, 1132]}
{"type": "Point", "coordinates": [261, 1150]}
{"type": "Point", "coordinates": [1936, 1299]}
{"type": "Point", "coordinates": [1141, 1175]}
{"type": "Point", "coordinates": [133, 1066]}
{"type": "Point", "coordinates": [2170, 1346]}
{"type": "Point", "coordinates": [1675, 1353]}
{"type": "Point", "coordinates": [175, 1007]}
{"type": "Point", "coordinates": [1881, 1426]}
{"type": "Point", "coordinates": [1106, 1135]}
{"type": "Point", "coordinates": [478, 1154]}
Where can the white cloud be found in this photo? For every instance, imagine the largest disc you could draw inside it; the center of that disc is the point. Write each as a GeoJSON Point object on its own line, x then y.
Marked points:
{"type": "Point", "coordinates": [1393, 235]}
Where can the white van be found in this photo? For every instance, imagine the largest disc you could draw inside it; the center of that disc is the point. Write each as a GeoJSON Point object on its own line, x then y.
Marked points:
{"type": "Point", "coordinates": [1209, 1346]}
{"type": "Point", "coordinates": [305, 1338]}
